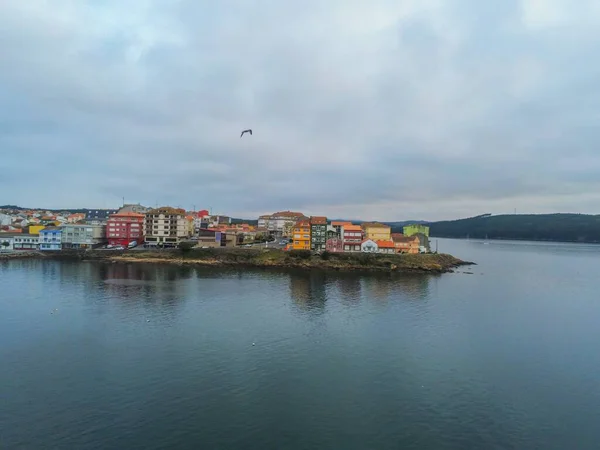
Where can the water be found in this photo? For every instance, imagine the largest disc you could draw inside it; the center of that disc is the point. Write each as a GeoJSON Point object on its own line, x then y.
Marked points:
{"type": "Point", "coordinates": [149, 357]}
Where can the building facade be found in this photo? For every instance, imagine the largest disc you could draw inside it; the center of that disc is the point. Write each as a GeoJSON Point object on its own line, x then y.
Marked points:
{"type": "Point", "coordinates": [318, 233]}
{"type": "Point", "coordinates": [165, 227]}
{"type": "Point", "coordinates": [406, 244]}
{"type": "Point", "coordinates": [410, 230]}
{"type": "Point", "coordinates": [50, 239]}
{"type": "Point", "coordinates": [377, 231]}
{"type": "Point", "coordinates": [98, 216]}
{"type": "Point", "coordinates": [83, 236]}
{"type": "Point", "coordinates": [386, 246]}
{"type": "Point", "coordinates": [124, 228]}
{"type": "Point", "coordinates": [369, 246]}
{"type": "Point", "coordinates": [334, 245]}
{"type": "Point", "coordinates": [282, 223]}
{"type": "Point", "coordinates": [301, 235]}
{"type": "Point", "coordinates": [352, 237]}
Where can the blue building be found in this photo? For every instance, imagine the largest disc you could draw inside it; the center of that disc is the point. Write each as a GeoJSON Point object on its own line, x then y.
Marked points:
{"type": "Point", "coordinates": [50, 239]}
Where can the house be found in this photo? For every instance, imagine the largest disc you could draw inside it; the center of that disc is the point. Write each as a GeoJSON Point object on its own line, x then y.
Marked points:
{"type": "Point", "coordinates": [405, 244]}
{"type": "Point", "coordinates": [352, 236]}
{"type": "Point", "coordinates": [35, 229]}
{"type": "Point", "coordinates": [386, 246]}
{"type": "Point", "coordinates": [301, 235]}
{"type": "Point", "coordinates": [5, 219]}
{"type": "Point", "coordinates": [133, 208]}
{"type": "Point", "coordinates": [50, 239]}
{"type": "Point", "coordinates": [337, 226]}
{"type": "Point", "coordinates": [410, 230]}
{"type": "Point", "coordinates": [123, 228]}
{"type": "Point", "coordinates": [318, 233]}
{"type": "Point", "coordinates": [369, 246]}
{"type": "Point", "coordinates": [377, 231]}
{"type": "Point", "coordinates": [98, 216]}
{"type": "Point", "coordinates": [334, 245]}
{"type": "Point", "coordinates": [26, 242]}
{"type": "Point", "coordinates": [74, 218]}
{"type": "Point", "coordinates": [282, 223]}
{"type": "Point", "coordinates": [165, 227]}
{"type": "Point", "coordinates": [83, 235]}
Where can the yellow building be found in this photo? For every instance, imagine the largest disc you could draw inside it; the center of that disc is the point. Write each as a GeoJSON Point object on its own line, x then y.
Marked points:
{"type": "Point", "coordinates": [35, 229]}
{"type": "Point", "coordinates": [377, 231]}
{"type": "Point", "coordinates": [301, 235]}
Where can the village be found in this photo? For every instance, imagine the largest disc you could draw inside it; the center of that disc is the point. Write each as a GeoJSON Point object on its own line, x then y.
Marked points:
{"type": "Point", "coordinates": [134, 226]}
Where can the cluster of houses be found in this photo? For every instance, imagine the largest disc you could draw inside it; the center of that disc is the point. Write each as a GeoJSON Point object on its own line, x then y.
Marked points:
{"type": "Point", "coordinates": [318, 234]}
{"type": "Point", "coordinates": [166, 227]}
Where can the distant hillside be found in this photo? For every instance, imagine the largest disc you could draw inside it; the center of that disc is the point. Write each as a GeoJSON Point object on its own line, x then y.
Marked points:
{"type": "Point", "coordinates": [535, 227]}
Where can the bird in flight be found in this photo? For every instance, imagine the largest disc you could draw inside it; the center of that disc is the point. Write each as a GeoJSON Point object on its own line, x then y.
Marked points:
{"type": "Point", "coordinates": [246, 131]}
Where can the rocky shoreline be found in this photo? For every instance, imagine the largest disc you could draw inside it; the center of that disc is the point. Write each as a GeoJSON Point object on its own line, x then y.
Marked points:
{"type": "Point", "coordinates": [422, 263]}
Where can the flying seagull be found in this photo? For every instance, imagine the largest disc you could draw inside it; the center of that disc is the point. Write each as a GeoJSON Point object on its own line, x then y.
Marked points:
{"type": "Point", "coordinates": [246, 131]}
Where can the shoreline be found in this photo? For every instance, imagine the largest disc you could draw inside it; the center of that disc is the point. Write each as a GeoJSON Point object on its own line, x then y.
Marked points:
{"type": "Point", "coordinates": [235, 257]}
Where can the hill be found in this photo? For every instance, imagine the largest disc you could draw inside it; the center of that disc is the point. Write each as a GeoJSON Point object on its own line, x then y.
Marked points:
{"type": "Point", "coordinates": [535, 227]}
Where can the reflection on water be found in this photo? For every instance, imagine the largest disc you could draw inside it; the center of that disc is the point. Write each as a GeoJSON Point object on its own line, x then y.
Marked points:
{"type": "Point", "coordinates": [162, 356]}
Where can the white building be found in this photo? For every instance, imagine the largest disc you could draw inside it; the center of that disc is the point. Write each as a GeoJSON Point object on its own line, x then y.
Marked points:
{"type": "Point", "coordinates": [281, 223]}
{"type": "Point", "coordinates": [165, 227]}
{"type": "Point", "coordinates": [5, 219]}
{"type": "Point", "coordinates": [369, 246]}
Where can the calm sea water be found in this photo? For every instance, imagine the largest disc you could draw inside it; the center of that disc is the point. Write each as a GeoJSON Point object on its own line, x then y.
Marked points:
{"type": "Point", "coordinates": [111, 356]}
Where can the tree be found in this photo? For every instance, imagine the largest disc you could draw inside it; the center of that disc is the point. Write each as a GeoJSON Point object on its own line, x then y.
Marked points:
{"type": "Point", "coordinates": [5, 244]}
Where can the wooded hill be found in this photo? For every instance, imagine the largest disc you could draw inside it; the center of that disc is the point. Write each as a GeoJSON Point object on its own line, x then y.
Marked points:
{"type": "Point", "coordinates": [537, 227]}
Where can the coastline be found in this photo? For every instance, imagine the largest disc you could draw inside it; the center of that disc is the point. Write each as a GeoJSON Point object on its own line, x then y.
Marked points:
{"type": "Point", "coordinates": [228, 257]}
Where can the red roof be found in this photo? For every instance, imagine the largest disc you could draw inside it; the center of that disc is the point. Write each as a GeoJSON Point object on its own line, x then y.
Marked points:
{"type": "Point", "coordinates": [339, 223]}
{"type": "Point", "coordinates": [352, 228]}
{"type": "Point", "coordinates": [318, 220]}
{"type": "Point", "coordinates": [385, 244]}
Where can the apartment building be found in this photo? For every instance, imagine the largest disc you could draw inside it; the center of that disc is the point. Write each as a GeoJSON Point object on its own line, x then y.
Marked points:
{"type": "Point", "coordinates": [301, 235]}
{"type": "Point", "coordinates": [83, 236]}
{"type": "Point", "coordinates": [124, 228]}
{"type": "Point", "coordinates": [318, 233]}
{"type": "Point", "coordinates": [165, 227]}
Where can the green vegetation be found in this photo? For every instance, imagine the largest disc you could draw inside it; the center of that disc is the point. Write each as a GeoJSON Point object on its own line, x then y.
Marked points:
{"type": "Point", "coordinates": [539, 227]}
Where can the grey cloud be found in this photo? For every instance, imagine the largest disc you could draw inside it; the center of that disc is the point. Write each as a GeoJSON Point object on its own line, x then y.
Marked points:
{"type": "Point", "coordinates": [395, 109]}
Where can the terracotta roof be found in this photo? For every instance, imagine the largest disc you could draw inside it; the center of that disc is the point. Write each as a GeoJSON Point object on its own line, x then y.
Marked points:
{"type": "Point", "coordinates": [385, 244]}
{"type": "Point", "coordinates": [397, 235]}
{"type": "Point", "coordinates": [404, 238]}
{"type": "Point", "coordinates": [367, 239]}
{"type": "Point", "coordinates": [339, 223]}
{"type": "Point", "coordinates": [302, 223]}
{"type": "Point", "coordinates": [318, 220]}
{"type": "Point", "coordinates": [352, 228]}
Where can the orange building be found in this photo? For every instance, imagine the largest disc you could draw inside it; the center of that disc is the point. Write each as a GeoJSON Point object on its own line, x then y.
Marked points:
{"type": "Point", "coordinates": [406, 244]}
{"type": "Point", "coordinates": [386, 246]}
{"type": "Point", "coordinates": [301, 235]}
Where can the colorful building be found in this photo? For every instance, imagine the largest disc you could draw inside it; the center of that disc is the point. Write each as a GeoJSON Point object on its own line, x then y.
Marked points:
{"type": "Point", "coordinates": [411, 230]}
{"type": "Point", "coordinates": [386, 246]}
{"type": "Point", "coordinates": [334, 245]}
{"type": "Point", "coordinates": [318, 233]}
{"type": "Point", "coordinates": [35, 229]}
{"type": "Point", "coordinates": [352, 236]}
{"type": "Point", "coordinates": [406, 244]}
{"type": "Point", "coordinates": [377, 231]}
{"type": "Point", "coordinates": [124, 228]}
{"type": "Point", "coordinates": [50, 239]}
{"type": "Point", "coordinates": [337, 226]}
{"type": "Point", "coordinates": [301, 235]}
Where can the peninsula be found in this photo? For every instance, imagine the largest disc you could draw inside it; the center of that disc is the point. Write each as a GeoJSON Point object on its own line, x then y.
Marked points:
{"type": "Point", "coordinates": [230, 257]}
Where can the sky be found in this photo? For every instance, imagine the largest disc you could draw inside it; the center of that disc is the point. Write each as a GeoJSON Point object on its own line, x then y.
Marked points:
{"type": "Point", "coordinates": [379, 110]}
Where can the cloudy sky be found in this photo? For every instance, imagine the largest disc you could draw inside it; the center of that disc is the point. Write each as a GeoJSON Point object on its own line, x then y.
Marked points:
{"type": "Point", "coordinates": [386, 109]}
